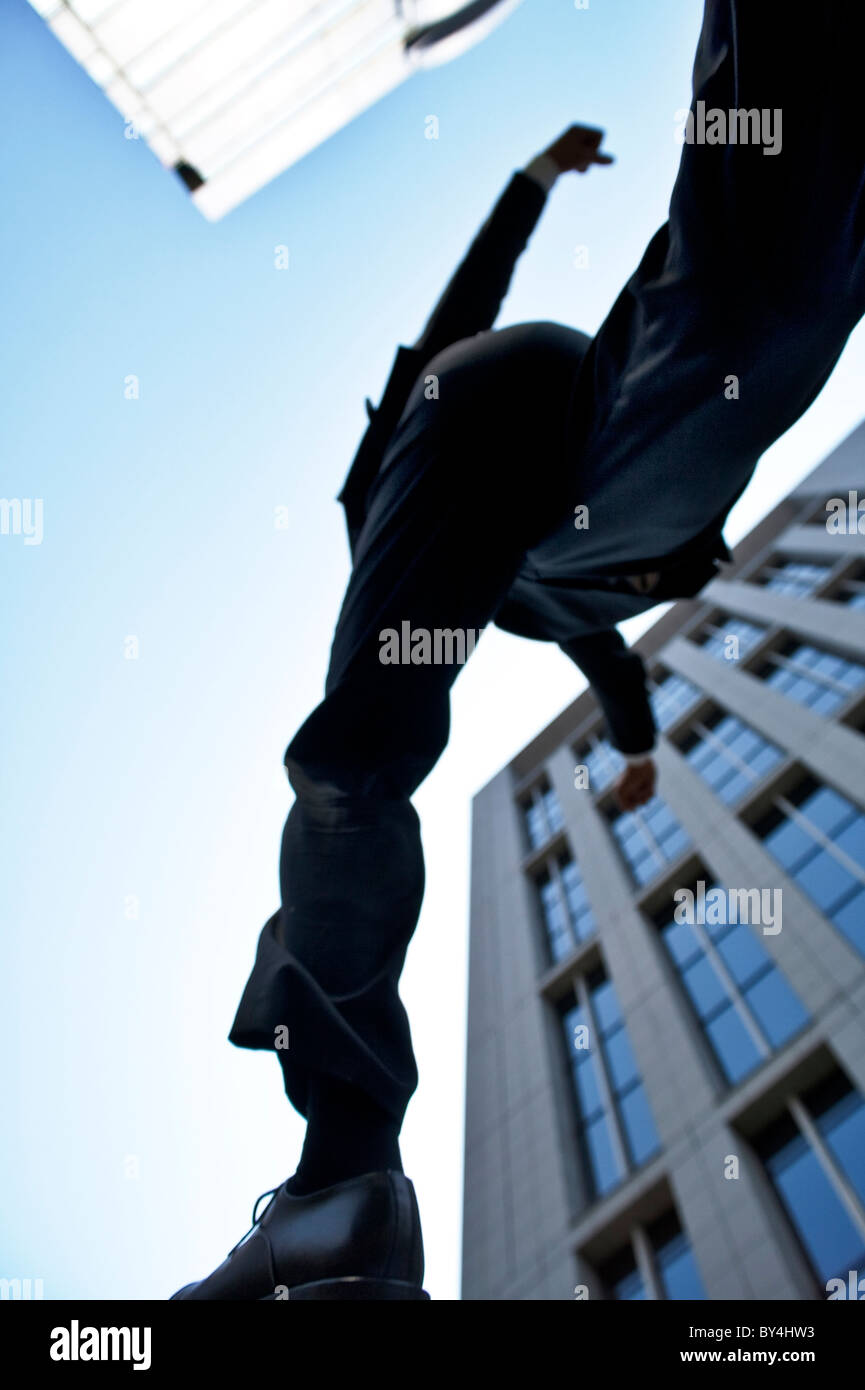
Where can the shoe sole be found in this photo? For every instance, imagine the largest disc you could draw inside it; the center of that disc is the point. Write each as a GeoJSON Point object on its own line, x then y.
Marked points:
{"type": "Point", "coordinates": [353, 1287]}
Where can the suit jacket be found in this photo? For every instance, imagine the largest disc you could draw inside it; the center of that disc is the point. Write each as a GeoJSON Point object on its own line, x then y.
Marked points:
{"type": "Point", "coordinates": [470, 304]}
{"type": "Point", "coordinates": [579, 611]}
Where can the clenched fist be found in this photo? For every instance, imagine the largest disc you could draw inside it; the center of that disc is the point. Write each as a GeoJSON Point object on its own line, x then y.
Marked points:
{"type": "Point", "coordinates": [578, 148]}
{"type": "Point", "coordinates": [636, 785]}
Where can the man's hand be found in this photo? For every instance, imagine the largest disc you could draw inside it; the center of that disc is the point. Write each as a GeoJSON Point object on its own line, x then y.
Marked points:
{"type": "Point", "coordinates": [636, 785]}
{"type": "Point", "coordinates": [578, 149]}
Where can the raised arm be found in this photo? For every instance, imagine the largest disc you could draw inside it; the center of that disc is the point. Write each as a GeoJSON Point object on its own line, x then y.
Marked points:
{"type": "Point", "coordinates": [473, 297]}
{"type": "Point", "coordinates": [471, 301]}
{"type": "Point", "coordinates": [618, 678]}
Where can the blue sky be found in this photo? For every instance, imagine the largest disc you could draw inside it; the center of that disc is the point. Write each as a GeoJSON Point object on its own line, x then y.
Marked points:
{"type": "Point", "coordinates": [144, 799]}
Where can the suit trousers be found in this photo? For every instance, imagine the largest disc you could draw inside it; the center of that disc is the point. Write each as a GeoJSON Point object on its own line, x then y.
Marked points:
{"type": "Point", "coordinates": [450, 519]}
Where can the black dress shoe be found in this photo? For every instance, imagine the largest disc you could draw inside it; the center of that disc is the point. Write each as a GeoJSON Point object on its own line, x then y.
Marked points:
{"type": "Point", "coordinates": [360, 1239]}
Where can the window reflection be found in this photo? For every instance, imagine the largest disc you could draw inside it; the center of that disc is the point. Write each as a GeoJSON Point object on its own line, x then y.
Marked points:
{"type": "Point", "coordinates": [743, 1003]}
{"type": "Point", "coordinates": [817, 679]}
{"type": "Point", "coordinates": [565, 907]}
{"type": "Point", "coordinates": [818, 837]}
{"type": "Point", "coordinates": [616, 1128]}
{"type": "Point", "coordinates": [794, 577]}
{"type": "Point", "coordinates": [542, 815]}
{"type": "Point", "coordinates": [648, 838]}
{"type": "Point", "coordinates": [729, 755]}
{"type": "Point", "coordinates": [808, 1192]}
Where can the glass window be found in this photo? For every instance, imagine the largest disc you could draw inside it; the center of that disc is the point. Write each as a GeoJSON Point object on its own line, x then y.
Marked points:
{"type": "Point", "coordinates": [743, 1003]}
{"type": "Point", "coordinates": [606, 1170]}
{"type": "Point", "coordinates": [670, 698]}
{"type": "Point", "coordinates": [831, 1239]}
{"type": "Point", "coordinates": [602, 761]}
{"type": "Point", "coordinates": [715, 638]}
{"type": "Point", "coordinates": [814, 678]}
{"type": "Point", "coordinates": [842, 1125]}
{"type": "Point", "coordinates": [615, 1124]}
{"type": "Point", "coordinates": [638, 1124]}
{"type": "Point", "coordinates": [621, 1277]}
{"type": "Point", "coordinates": [729, 755]}
{"type": "Point", "coordinates": [630, 1287]}
{"type": "Point", "coordinates": [816, 1209]}
{"type": "Point", "coordinates": [542, 814]}
{"type": "Point", "coordinates": [649, 838]}
{"type": "Point", "coordinates": [552, 810]}
{"type": "Point", "coordinates": [565, 907]}
{"type": "Point", "coordinates": [672, 1261]}
{"type": "Point", "coordinates": [535, 823]}
{"type": "Point", "coordinates": [852, 589]}
{"type": "Point", "coordinates": [818, 836]}
{"type": "Point", "coordinates": [794, 577]}
{"type": "Point", "coordinates": [555, 919]}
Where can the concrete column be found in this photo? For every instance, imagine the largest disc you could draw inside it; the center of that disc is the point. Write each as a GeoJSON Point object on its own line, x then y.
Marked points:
{"type": "Point", "coordinates": [835, 754]}
{"type": "Point", "coordinates": [742, 1242]}
{"type": "Point", "coordinates": [817, 542]}
{"type": "Point", "coordinates": [833, 625]}
{"type": "Point", "coordinates": [518, 1209]}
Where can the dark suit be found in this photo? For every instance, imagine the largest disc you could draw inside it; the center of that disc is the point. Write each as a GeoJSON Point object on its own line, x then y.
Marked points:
{"type": "Point", "coordinates": [460, 503]}
{"type": "Point", "coordinates": [470, 306]}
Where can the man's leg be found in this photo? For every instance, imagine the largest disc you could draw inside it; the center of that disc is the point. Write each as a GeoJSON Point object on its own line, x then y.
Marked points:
{"type": "Point", "coordinates": [448, 526]}
{"type": "Point", "coordinates": [743, 302]}
{"type": "Point", "coordinates": [769, 197]}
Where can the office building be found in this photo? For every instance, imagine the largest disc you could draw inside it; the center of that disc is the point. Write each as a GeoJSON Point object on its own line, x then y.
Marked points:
{"type": "Point", "coordinates": [666, 1095]}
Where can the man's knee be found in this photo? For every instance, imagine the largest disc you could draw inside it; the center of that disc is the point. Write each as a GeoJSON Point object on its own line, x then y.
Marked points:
{"type": "Point", "coordinates": [376, 734]}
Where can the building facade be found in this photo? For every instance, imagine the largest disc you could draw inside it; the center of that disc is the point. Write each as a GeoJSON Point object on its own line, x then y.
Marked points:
{"type": "Point", "coordinates": [665, 1090]}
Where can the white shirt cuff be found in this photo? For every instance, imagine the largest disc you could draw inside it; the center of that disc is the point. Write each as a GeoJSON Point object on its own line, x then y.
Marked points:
{"type": "Point", "coordinates": [543, 169]}
{"type": "Point", "coordinates": [639, 757]}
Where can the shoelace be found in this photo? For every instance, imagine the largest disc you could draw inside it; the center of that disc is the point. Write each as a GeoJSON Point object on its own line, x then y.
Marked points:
{"type": "Point", "coordinates": [271, 1192]}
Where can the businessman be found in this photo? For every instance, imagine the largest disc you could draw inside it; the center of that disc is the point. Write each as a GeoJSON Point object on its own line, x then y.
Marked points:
{"type": "Point", "coordinates": [460, 507]}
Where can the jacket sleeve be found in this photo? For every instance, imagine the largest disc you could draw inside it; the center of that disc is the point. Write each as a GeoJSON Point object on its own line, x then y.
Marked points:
{"type": "Point", "coordinates": [617, 676]}
{"type": "Point", "coordinates": [469, 304]}
{"type": "Point", "coordinates": [473, 297]}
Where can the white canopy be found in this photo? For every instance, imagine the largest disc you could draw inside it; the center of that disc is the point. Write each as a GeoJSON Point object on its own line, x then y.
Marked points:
{"type": "Point", "coordinates": [231, 92]}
